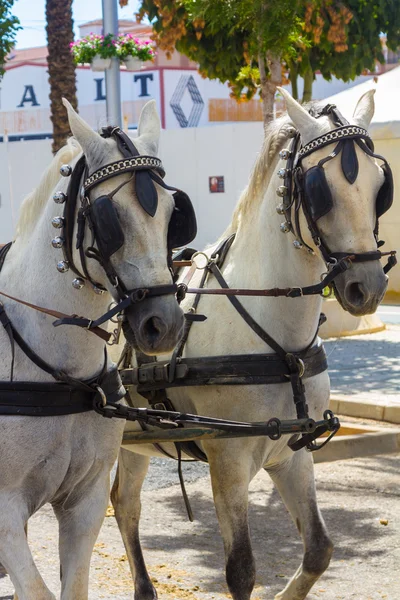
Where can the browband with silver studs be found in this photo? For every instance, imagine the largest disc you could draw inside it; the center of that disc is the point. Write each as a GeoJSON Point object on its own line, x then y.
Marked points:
{"type": "Point", "coordinates": [123, 166]}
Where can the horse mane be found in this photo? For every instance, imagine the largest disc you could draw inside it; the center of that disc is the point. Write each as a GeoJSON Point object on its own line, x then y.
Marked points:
{"type": "Point", "coordinates": [34, 203]}
{"type": "Point", "coordinates": [276, 133]}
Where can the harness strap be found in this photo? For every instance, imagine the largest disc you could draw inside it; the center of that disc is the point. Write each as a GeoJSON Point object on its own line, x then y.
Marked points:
{"type": "Point", "coordinates": [289, 292]}
{"type": "Point", "coordinates": [104, 335]}
{"type": "Point", "coordinates": [246, 316]}
{"type": "Point", "coordinates": [134, 297]}
{"type": "Point", "coordinates": [5, 321]}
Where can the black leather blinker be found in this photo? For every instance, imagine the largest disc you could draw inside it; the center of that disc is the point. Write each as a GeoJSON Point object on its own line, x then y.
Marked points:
{"type": "Point", "coordinates": [317, 192]}
{"type": "Point", "coordinates": [384, 199]}
{"type": "Point", "coordinates": [107, 228]}
{"type": "Point", "coordinates": [182, 226]}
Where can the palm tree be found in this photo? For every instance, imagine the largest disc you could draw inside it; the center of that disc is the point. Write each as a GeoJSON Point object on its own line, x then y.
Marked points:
{"type": "Point", "coordinates": [61, 67]}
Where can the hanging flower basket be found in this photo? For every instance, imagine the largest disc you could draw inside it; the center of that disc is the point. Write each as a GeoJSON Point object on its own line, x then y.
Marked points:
{"type": "Point", "coordinates": [134, 52]}
{"type": "Point", "coordinates": [100, 64]}
{"type": "Point", "coordinates": [132, 63]}
{"type": "Point", "coordinates": [96, 50]}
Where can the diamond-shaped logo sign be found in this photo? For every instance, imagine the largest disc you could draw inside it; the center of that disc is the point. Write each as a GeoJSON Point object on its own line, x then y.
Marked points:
{"type": "Point", "coordinates": [187, 82]}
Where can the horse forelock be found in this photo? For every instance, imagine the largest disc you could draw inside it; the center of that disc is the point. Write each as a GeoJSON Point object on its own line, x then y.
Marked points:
{"type": "Point", "coordinates": [276, 134]}
{"type": "Point", "coordinates": [34, 203]}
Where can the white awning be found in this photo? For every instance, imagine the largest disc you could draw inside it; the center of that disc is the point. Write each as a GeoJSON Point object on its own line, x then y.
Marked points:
{"type": "Point", "coordinates": [386, 121]}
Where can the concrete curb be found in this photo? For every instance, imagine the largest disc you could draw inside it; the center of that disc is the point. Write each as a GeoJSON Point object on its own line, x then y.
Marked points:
{"type": "Point", "coordinates": [376, 410]}
{"type": "Point", "coordinates": [368, 441]}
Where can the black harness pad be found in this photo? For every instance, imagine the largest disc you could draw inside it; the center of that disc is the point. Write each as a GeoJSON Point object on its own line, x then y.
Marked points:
{"type": "Point", "coordinates": [107, 228]}
{"type": "Point", "coordinates": [183, 225]}
{"type": "Point", "coordinates": [317, 193]}
{"type": "Point", "coordinates": [384, 199]}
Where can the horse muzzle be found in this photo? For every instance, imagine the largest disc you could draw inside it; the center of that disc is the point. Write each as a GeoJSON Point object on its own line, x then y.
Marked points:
{"type": "Point", "coordinates": [360, 289]}
{"type": "Point", "coordinates": [157, 324]}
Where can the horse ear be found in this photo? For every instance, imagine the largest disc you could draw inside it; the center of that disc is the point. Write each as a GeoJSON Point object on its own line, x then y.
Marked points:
{"type": "Point", "coordinates": [365, 109]}
{"type": "Point", "coordinates": [149, 125]}
{"type": "Point", "coordinates": [82, 132]}
{"type": "Point", "coordinates": [308, 126]}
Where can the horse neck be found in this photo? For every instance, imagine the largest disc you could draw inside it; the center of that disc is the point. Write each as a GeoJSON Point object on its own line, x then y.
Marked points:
{"type": "Point", "coordinates": [264, 257]}
{"type": "Point", "coordinates": [30, 273]}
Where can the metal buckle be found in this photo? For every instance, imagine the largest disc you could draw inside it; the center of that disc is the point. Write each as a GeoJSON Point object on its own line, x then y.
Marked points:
{"type": "Point", "coordinates": [302, 366]}
{"type": "Point", "coordinates": [288, 295]}
{"type": "Point", "coordinates": [102, 395]}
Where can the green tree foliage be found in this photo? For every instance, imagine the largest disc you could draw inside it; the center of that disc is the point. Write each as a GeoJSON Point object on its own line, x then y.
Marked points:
{"type": "Point", "coordinates": [241, 42]}
{"type": "Point", "coordinates": [245, 42]}
{"type": "Point", "coordinates": [344, 38]}
{"type": "Point", "coordinates": [9, 26]}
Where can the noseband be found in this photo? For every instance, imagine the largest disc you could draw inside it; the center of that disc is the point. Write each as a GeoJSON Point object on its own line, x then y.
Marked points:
{"type": "Point", "coordinates": [309, 190]}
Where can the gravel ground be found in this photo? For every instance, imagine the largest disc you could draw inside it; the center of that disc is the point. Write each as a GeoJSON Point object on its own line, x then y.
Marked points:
{"type": "Point", "coordinates": [186, 560]}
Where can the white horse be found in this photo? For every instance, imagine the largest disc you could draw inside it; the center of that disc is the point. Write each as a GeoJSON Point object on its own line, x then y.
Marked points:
{"type": "Point", "coordinates": [66, 460]}
{"type": "Point", "coordinates": [262, 257]}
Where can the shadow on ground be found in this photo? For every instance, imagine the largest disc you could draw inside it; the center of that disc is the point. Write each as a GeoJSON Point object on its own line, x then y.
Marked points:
{"type": "Point", "coordinates": [277, 547]}
{"type": "Point", "coordinates": [357, 366]}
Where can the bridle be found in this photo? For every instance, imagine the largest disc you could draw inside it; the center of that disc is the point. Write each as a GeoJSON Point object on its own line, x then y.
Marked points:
{"type": "Point", "coordinates": [101, 215]}
{"type": "Point", "coordinates": [308, 190]}
{"type": "Point", "coordinates": [107, 235]}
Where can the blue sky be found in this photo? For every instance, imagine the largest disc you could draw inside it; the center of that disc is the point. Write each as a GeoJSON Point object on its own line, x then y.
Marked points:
{"type": "Point", "coordinates": [32, 14]}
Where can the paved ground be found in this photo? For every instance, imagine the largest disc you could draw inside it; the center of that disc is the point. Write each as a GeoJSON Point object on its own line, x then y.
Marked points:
{"type": "Point", "coordinates": [186, 560]}
{"type": "Point", "coordinates": [389, 313]}
{"type": "Point", "coordinates": [366, 367]}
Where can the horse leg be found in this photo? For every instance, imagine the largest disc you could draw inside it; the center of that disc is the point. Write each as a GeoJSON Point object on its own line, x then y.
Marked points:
{"type": "Point", "coordinates": [17, 560]}
{"type": "Point", "coordinates": [80, 517]}
{"type": "Point", "coordinates": [125, 497]}
{"type": "Point", "coordinates": [230, 484]}
{"type": "Point", "coordinates": [295, 483]}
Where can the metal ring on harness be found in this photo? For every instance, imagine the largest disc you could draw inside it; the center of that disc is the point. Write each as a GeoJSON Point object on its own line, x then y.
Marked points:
{"type": "Point", "coordinates": [199, 266]}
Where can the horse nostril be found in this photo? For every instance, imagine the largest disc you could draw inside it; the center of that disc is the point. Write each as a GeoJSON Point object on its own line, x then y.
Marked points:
{"type": "Point", "coordinates": [154, 329]}
{"type": "Point", "coordinates": [355, 293]}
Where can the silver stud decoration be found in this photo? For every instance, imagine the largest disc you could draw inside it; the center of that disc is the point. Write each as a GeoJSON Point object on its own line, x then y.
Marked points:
{"type": "Point", "coordinates": [57, 222]}
{"type": "Point", "coordinates": [65, 170]}
{"type": "Point", "coordinates": [59, 197]}
{"type": "Point", "coordinates": [284, 227]}
{"type": "Point", "coordinates": [57, 242]}
{"type": "Point", "coordinates": [280, 209]}
{"type": "Point", "coordinates": [285, 154]}
{"type": "Point", "coordinates": [78, 283]}
{"type": "Point", "coordinates": [62, 266]}
{"type": "Point", "coordinates": [297, 244]}
{"type": "Point", "coordinates": [98, 290]}
{"type": "Point", "coordinates": [282, 191]}
{"type": "Point", "coordinates": [282, 173]}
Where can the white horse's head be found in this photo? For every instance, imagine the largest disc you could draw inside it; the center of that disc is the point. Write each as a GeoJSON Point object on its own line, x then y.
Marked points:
{"type": "Point", "coordinates": [139, 255]}
{"type": "Point", "coordinates": [345, 192]}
